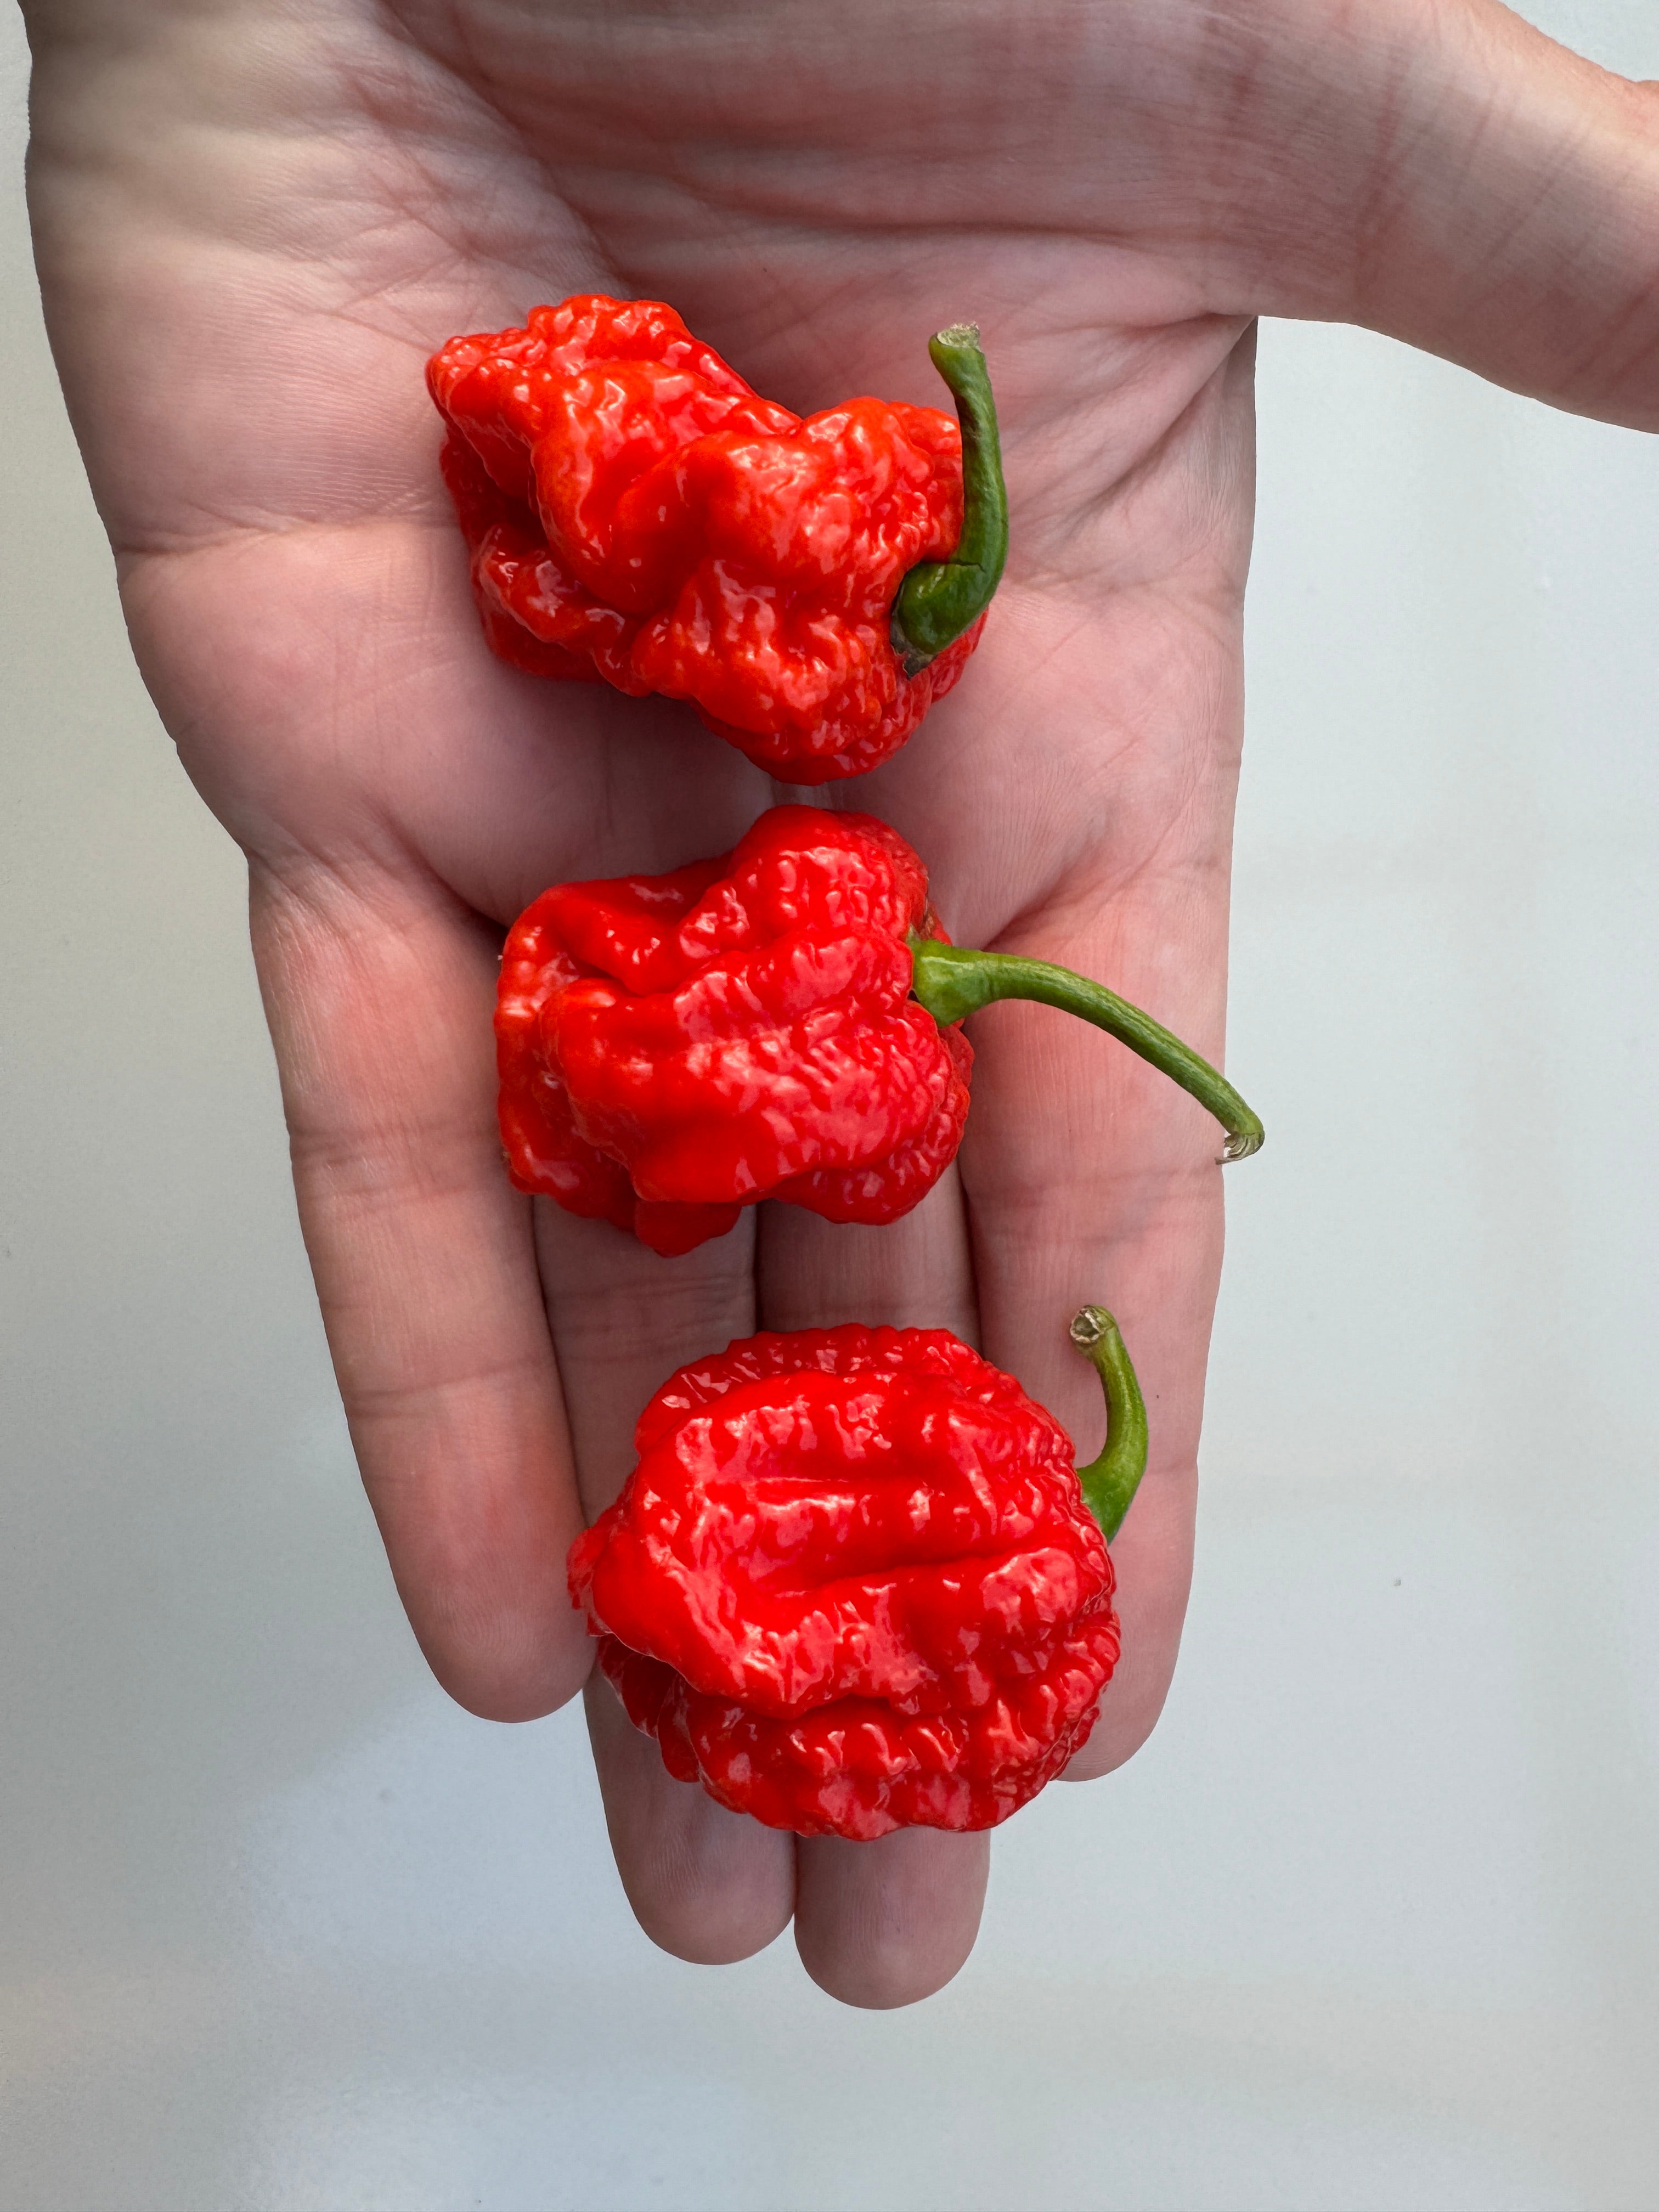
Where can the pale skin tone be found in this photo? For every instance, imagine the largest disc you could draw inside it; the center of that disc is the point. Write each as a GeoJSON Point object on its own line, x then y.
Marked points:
{"type": "Point", "coordinates": [255, 219]}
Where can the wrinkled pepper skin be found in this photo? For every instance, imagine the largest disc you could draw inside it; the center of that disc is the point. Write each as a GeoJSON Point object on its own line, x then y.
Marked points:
{"type": "Point", "coordinates": [673, 1047]}
{"type": "Point", "coordinates": [636, 513]}
{"type": "Point", "coordinates": [852, 1585]}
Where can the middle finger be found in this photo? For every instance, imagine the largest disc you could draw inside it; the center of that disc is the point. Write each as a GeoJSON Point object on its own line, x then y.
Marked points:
{"type": "Point", "coordinates": [882, 1923]}
{"type": "Point", "coordinates": [704, 1883]}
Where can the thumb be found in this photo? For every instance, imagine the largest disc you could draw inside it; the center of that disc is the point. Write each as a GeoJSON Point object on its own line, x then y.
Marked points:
{"type": "Point", "coordinates": [1440, 171]}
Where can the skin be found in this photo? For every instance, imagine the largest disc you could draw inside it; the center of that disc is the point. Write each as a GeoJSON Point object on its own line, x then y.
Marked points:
{"type": "Point", "coordinates": [254, 220]}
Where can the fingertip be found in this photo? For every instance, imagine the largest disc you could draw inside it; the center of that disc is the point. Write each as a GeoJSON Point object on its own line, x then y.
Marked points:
{"type": "Point", "coordinates": [493, 1618]}
{"type": "Point", "coordinates": [885, 1925]}
{"type": "Point", "coordinates": [1130, 1713]}
{"type": "Point", "coordinates": [497, 1680]}
{"type": "Point", "coordinates": [707, 1886]}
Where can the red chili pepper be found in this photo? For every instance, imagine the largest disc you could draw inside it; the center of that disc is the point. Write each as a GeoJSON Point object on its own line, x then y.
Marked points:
{"type": "Point", "coordinates": [781, 1022]}
{"type": "Point", "coordinates": [636, 512]}
{"type": "Point", "coordinates": [856, 1584]}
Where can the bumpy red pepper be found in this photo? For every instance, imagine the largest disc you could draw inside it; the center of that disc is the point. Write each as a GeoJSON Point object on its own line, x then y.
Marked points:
{"type": "Point", "coordinates": [636, 512]}
{"type": "Point", "coordinates": [854, 1582]}
{"type": "Point", "coordinates": [781, 1022]}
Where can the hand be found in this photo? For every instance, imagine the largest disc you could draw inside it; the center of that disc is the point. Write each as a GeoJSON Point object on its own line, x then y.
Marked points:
{"type": "Point", "coordinates": [255, 220]}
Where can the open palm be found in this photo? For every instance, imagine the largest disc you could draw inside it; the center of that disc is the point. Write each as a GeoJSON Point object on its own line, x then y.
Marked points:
{"type": "Point", "coordinates": [256, 217]}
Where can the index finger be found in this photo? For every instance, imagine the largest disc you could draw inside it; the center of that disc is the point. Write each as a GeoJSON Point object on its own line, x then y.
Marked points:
{"type": "Point", "coordinates": [379, 994]}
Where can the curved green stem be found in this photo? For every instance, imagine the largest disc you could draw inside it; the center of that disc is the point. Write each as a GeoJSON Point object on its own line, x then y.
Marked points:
{"type": "Point", "coordinates": [939, 599]}
{"type": "Point", "coordinates": [1109, 1482]}
{"type": "Point", "coordinates": [953, 979]}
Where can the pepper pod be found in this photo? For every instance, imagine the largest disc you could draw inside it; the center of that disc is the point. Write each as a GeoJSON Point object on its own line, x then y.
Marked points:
{"type": "Point", "coordinates": [781, 1022]}
{"type": "Point", "coordinates": [637, 514]}
{"type": "Point", "coordinates": [856, 1582]}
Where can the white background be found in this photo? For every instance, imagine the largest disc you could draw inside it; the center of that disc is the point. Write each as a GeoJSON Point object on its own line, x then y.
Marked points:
{"type": "Point", "coordinates": [1370, 1926]}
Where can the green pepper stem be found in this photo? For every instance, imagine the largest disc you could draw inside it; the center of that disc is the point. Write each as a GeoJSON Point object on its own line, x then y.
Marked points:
{"type": "Point", "coordinates": [939, 599]}
{"type": "Point", "coordinates": [1109, 1482]}
{"type": "Point", "coordinates": [953, 979]}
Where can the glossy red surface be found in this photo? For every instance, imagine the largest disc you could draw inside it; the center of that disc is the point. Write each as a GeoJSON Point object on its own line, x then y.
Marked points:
{"type": "Point", "coordinates": [852, 1584]}
{"type": "Point", "coordinates": [636, 513]}
{"type": "Point", "coordinates": [673, 1047]}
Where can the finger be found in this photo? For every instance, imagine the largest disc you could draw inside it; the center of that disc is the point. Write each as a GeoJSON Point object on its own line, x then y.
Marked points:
{"type": "Point", "coordinates": [623, 1319]}
{"type": "Point", "coordinates": [878, 1925]}
{"type": "Point", "coordinates": [887, 1923]}
{"type": "Point", "coordinates": [379, 999]}
{"type": "Point", "coordinates": [1446, 174]}
{"type": "Point", "coordinates": [916, 1272]}
{"type": "Point", "coordinates": [1090, 1178]}
{"type": "Point", "coordinates": [1145, 1231]}
{"type": "Point", "coordinates": [1152, 1556]}
{"type": "Point", "coordinates": [705, 1883]}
